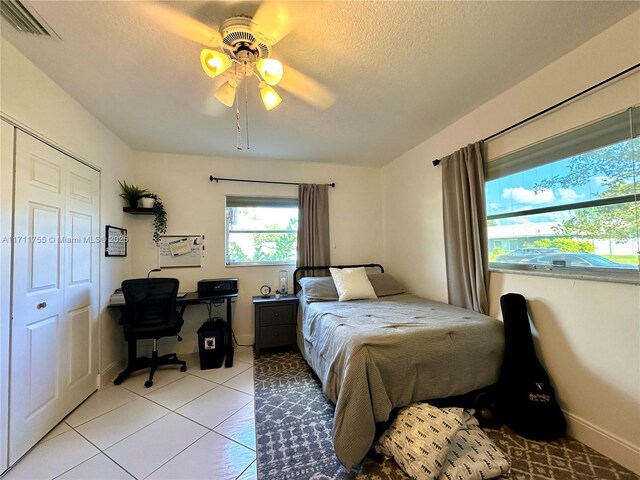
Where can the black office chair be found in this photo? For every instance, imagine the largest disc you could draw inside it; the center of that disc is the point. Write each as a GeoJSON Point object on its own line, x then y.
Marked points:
{"type": "Point", "coordinates": [150, 313]}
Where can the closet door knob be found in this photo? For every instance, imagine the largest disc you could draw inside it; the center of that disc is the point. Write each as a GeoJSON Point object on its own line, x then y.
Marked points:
{"type": "Point", "coordinates": [42, 305]}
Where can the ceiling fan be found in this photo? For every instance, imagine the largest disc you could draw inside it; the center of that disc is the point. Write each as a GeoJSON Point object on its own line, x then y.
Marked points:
{"type": "Point", "coordinates": [241, 48]}
{"type": "Point", "coordinates": [249, 54]}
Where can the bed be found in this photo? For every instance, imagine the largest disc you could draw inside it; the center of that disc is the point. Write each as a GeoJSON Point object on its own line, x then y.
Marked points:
{"type": "Point", "coordinates": [375, 355]}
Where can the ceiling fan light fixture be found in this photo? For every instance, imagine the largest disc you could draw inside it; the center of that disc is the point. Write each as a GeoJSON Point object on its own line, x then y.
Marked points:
{"type": "Point", "coordinates": [270, 97]}
{"type": "Point", "coordinates": [226, 93]}
{"type": "Point", "coordinates": [271, 70]}
{"type": "Point", "coordinates": [213, 62]}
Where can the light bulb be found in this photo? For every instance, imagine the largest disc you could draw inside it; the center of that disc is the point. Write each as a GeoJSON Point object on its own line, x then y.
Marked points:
{"type": "Point", "coordinates": [270, 70]}
{"type": "Point", "coordinates": [270, 97]}
{"type": "Point", "coordinates": [213, 62]}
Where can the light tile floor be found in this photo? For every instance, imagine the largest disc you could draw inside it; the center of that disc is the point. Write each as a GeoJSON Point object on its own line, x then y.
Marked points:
{"type": "Point", "coordinates": [192, 425]}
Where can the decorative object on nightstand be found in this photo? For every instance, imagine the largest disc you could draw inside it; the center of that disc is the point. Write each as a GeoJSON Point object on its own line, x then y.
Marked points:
{"type": "Point", "coordinates": [277, 294]}
{"type": "Point", "coordinates": [283, 281]}
{"type": "Point", "coordinates": [265, 290]}
{"type": "Point", "coordinates": [275, 322]}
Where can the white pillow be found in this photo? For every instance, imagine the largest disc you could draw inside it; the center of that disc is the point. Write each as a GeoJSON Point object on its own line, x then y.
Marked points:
{"type": "Point", "coordinates": [473, 456]}
{"type": "Point", "coordinates": [420, 437]}
{"type": "Point", "coordinates": [430, 443]}
{"type": "Point", "coordinates": [352, 284]}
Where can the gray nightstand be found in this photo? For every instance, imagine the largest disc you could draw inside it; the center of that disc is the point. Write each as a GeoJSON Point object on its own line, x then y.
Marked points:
{"type": "Point", "coordinates": [275, 322]}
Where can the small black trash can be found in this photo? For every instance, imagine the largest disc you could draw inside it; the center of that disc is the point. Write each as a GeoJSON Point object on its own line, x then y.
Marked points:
{"type": "Point", "coordinates": [211, 341]}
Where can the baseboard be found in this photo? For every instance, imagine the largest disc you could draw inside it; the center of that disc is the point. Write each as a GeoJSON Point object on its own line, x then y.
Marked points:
{"type": "Point", "coordinates": [610, 445]}
{"type": "Point", "coordinates": [107, 376]}
{"type": "Point", "coordinates": [245, 339]}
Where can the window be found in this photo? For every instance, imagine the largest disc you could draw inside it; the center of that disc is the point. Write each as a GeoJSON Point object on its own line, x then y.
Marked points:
{"type": "Point", "coordinates": [569, 204]}
{"type": "Point", "coordinates": [261, 230]}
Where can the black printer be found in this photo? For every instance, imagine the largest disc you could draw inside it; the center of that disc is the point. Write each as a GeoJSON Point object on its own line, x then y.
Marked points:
{"type": "Point", "coordinates": [217, 286]}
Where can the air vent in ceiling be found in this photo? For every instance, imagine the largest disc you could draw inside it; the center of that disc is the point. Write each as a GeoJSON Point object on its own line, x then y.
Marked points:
{"type": "Point", "coordinates": [25, 19]}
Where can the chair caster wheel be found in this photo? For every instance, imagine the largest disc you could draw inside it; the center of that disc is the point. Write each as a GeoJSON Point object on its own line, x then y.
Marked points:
{"type": "Point", "coordinates": [183, 368]}
{"type": "Point", "coordinates": [148, 383]}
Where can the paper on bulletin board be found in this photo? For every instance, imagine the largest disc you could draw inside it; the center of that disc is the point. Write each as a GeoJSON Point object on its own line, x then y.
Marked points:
{"type": "Point", "coordinates": [177, 251]}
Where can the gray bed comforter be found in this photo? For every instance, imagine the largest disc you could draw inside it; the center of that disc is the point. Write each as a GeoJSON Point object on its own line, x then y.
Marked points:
{"type": "Point", "coordinates": [375, 355]}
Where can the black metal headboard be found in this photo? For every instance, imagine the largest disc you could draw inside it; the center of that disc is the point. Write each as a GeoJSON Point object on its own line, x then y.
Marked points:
{"type": "Point", "coordinates": [299, 272]}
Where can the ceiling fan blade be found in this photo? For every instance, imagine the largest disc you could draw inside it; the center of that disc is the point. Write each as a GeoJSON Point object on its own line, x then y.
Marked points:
{"type": "Point", "coordinates": [180, 24]}
{"type": "Point", "coordinates": [273, 20]}
{"type": "Point", "coordinates": [307, 89]}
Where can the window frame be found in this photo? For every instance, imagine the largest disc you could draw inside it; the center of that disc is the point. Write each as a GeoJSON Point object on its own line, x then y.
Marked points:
{"type": "Point", "coordinates": [256, 202]}
{"type": "Point", "coordinates": [524, 160]}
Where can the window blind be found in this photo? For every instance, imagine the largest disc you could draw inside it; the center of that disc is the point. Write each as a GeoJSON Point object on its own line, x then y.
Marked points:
{"type": "Point", "coordinates": [608, 131]}
{"type": "Point", "coordinates": [265, 202]}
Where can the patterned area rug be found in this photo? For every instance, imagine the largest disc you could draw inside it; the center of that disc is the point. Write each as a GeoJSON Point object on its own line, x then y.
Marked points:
{"type": "Point", "coordinates": [293, 430]}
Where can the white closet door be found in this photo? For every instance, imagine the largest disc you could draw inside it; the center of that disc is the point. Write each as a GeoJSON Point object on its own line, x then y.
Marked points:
{"type": "Point", "coordinates": [53, 335]}
{"type": "Point", "coordinates": [81, 303]}
{"type": "Point", "coordinates": [6, 215]}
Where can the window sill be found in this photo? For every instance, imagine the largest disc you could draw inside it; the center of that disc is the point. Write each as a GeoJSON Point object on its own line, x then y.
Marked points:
{"type": "Point", "coordinates": [261, 264]}
{"type": "Point", "coordinates": [629, 277]}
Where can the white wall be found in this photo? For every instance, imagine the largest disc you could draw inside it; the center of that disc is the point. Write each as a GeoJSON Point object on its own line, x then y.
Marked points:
{"type": "Point", "coordinates": [32, 99]}
{"type": "Point", "coordinates": [196, 206]}
{"type": "Point", "coordinates": [588, 331]}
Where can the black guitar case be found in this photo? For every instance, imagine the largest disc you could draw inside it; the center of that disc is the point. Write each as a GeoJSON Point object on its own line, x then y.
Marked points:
{"type": "Point", "coordinates": [526, 401]}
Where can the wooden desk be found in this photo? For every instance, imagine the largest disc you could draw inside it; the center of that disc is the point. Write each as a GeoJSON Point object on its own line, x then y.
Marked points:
{"type": "Point", "coordinates": [192, 298]}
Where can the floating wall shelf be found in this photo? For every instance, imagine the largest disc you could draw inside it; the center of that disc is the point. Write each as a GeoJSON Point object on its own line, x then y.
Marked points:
{"type": "Point", "coordinates": [138, 211]}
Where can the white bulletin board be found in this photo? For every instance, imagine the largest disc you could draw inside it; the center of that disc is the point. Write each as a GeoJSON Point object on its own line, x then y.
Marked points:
{"type": "Point", "coordinates": [176, 251]}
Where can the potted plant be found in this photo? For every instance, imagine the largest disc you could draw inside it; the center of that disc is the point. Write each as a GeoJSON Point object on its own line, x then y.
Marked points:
{"type": "Point", "coordinates": [160, 217]}
{"type": "Point", "coordinates": [147, 200]}
{"type": "Point", "coordinates": [132, 193]}
{"type": "Point", "coordinates": [277, 293]}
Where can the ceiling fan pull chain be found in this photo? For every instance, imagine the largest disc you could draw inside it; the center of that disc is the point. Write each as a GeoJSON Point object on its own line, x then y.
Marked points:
{"type": "Point", "coordinates": [238, 134]}
{"type": "Point", "coordinates": [246, 108]}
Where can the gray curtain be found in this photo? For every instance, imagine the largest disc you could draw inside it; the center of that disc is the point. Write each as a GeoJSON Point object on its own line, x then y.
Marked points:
{"type": "Point", "coordinates": [313, 226]}
{"type": "Point", "coordinates": [465, 228]}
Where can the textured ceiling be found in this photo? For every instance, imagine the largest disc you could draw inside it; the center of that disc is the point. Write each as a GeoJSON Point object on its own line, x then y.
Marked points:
{"type": "Point", "coordinates": [400, 70]}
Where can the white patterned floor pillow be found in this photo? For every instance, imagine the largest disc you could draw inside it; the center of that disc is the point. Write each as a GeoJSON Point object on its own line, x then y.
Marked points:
{"type": "Point", "coordinates": [420, 437]}
{"type": "Point", "coordinates": [429, 443]}
{"type": "Point", "coordinates": [473, 456]}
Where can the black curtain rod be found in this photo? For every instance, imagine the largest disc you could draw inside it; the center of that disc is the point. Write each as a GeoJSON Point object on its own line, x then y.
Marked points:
{"type": "Point", "coordinates": [552, 107]}
{"type": "Point", "coordinates": [217, 179]}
